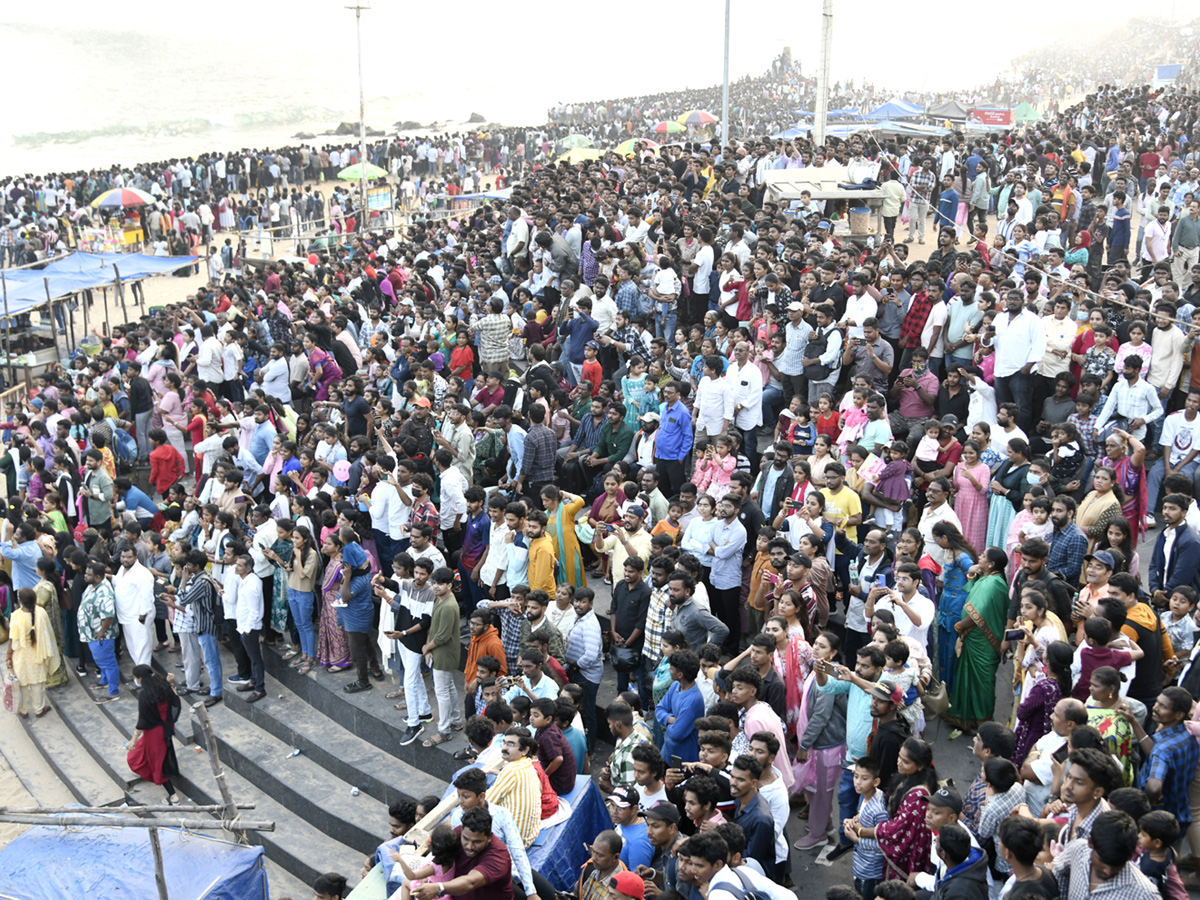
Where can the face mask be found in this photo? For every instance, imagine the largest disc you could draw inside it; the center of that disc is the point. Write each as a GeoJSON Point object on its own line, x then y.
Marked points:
{"type": "Point", "coordinates": [1032, 478]}
{"type": "Point", "coordinates": [1081, 315]}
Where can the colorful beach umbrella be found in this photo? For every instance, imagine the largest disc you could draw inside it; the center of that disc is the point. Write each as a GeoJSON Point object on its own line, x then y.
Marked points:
{"type": "Point", "coordinates": [626, 147]}
{"type": "Point", "coordinates": [118, 198]}
{"type": "Point", "coordinates": [355, 172]}
{"type": "Point", "coordinates": [670, 126]}
{"type": "Point", "coordinates": [696, 117]}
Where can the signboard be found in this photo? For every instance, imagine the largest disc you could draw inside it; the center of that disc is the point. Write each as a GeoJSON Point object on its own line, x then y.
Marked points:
{"type": "Point", "coordinates": [1165, 74]}
{"type": "Point", "coordinates": [379, 198]}
{"type": "Point", "coordinates": [990, 116]}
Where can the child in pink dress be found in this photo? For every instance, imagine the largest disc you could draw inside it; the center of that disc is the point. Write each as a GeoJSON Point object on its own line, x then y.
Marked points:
{"type": "Point", "coordinates": [714, 469]}
{"type": "Point", "coordinates": [443, 847]}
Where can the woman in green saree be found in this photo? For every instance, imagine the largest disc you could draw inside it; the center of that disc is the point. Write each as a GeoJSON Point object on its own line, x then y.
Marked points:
{"type": "Point", "coordinates": [980, 633]}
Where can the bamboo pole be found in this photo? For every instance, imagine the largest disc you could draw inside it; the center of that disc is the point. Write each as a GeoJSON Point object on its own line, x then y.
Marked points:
{"type": "Point", "coordinates": [106, 810]}
{"type": "Point", "coordinates": [160, 877]}
{"type": "Point", "coordinates": [119, 294]}
{"type": "Point", "coordinates": [181, 821]}
{"type": "Point", "coordinates": [230, 813]}
{"type": "Point", "coordinates": [7, 331]}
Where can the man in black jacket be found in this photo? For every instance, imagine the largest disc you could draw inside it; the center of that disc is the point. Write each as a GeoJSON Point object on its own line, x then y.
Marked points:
{"type": "Point", "coordinates": [966, 874]}
{"type": "Point", "coordinates": [141, 407]}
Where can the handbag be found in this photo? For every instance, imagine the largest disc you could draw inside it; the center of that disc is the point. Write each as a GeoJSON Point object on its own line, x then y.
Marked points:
{"type": "Point", "coordinates": [624, 659]}
{"type": "Point", "coordinates": [936, 699]}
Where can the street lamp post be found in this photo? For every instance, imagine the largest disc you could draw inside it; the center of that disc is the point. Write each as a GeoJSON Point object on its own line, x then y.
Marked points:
{"type": "Point", "coordinates": [822, 110]}
{"type": "Point", "coordinates": [725, 84]}
{"type": "Point", "coordinates": [358, 8]}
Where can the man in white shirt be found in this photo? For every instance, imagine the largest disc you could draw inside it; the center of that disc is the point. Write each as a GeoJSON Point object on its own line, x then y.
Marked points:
{"type": "Point", "coordinates": [453, 510]}
{"type": "Point", "coordinates": [701, 269]}
{"type": "Point", "coordinates": [133, 586]}
{"type": "Point", "coordinates": [1019, 343]}
{"type": "Point", "coordinates": [276, 376]}
{"type": "Point", "coordinates": [386, 520]}
{"type": "Point", "coordinates": [913, 611]}
{"type": "Point", "coordinates": [1156, 246]}
{"type": "Point", "coordinates": [249, 618]}
{"type": "Point", "coordinates": [937, 509]}
{"type": "Point", "coordinates": [745, 384]}
{"type": "Point", "coordinates": [209, 364]}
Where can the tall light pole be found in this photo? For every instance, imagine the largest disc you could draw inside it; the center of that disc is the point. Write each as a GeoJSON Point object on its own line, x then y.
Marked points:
{"type": "Point", "coordinates": [822, 110]}
{"type": "Point", "coordinates": [358, 7]}
{"type": "Point", "coordinates": [725, 84]}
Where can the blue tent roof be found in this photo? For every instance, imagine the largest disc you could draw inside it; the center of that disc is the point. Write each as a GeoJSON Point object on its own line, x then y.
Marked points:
{"type": "Point", "coordinates": [26, 288]}
{"type": "Point", "coordinates": [47, 863]}
{"type": "Point", "coordinates": [896, 109]}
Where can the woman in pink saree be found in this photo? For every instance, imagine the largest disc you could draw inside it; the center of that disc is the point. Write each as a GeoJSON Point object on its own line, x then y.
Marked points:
{"type": "Point", "coordinates": [325, 371]}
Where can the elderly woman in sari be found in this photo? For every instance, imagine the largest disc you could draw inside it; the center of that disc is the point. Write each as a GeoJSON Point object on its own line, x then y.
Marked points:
{"type": "Point", "coordinates": [1108, 499]}
{"type": "Point", "coordinates": [980, 631]}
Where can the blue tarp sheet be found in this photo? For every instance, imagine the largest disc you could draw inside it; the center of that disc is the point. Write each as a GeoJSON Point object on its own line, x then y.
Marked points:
{"type": "Point", "coordinates": [26, 288]}
{"type": "Point", "coordinates": [48, 863]}
{"type": "Point", "coordinates": [895, 109]}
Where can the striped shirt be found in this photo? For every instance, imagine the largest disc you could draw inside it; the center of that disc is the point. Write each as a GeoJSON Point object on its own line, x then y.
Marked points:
{"type": "Point", "coordinates": [519, 790]}
{"type": "Point", "coordinates": [791, 362]}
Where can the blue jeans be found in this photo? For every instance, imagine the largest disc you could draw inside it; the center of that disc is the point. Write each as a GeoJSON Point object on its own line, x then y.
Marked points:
{"type": "Point", "coordinates": [1155, 476]}
{"type": "Point", "coordinates": [847, 803]}
{"type": "Point", "coordinates": [301, 605]}
{"type": "Point", "coordinates": [212, 661]}
{"type": "Point", "coordinates": [772, 403]}
{"type": "Point", "coordinates": [105, 655]}
{"type": "Point", "coordinates": [664, 324]}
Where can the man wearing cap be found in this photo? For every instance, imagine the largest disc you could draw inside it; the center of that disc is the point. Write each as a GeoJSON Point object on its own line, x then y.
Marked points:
{"type": "Point", "coordinates": [627, 820]}
{"type": "Point", "coordinates": [1176, 557]}
{"type": "Point", "coordinates": [674, 441]}
{"type": "Point", "coordinates": [791, 362]}
{"type": "Point", "coordinates": [1097, 569]}
{"type": "Point", "coordinates": [943, 807]}
{"type": "Point", "coordinates": [579, 330]}
{"type": "Point", "coordinates": [662, 830]}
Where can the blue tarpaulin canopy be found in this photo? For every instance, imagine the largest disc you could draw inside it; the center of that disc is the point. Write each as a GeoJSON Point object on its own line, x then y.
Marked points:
{"type": "Point", "coordinates": [26, 288]}
{"type": "Point", "coordinates": [47, 863]}
{"type": "Point", "coordinates": [896, 109]}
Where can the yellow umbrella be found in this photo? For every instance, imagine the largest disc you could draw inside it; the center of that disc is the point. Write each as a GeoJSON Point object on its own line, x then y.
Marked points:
{"type": "Point", "coordinates": [579, 154]}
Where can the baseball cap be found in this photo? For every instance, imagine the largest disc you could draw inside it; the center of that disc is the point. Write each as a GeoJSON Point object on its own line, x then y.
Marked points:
{"type": "Point", "coordinates": [628, 883]}
{"type": "Point", "coordinates": [1103, 557]}
{"type": "Point", "coordinates": [422, 401]}
{"type": "Point", "coordinates": [950, 421]}
{"type": "Point", "coordinates": [592, 344]}
{"type": "Point", "coordinates": [887, 690]}
{"type": "Point", "coordinates": [650, 416]}
{"type": "Point", "coordinates": [795, 306]}
{"type": "Point", "coordinates": [946, 797]}
{"type": "Point", "coordinates": [639, 511]}
{"type": "Point", "coordinates": [623, 797]}
{"type": "Point", "coordinates": [663, 811]}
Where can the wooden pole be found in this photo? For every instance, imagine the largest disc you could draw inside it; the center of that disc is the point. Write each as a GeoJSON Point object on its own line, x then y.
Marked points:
{"type": "Point", "coordinates": [181, 821]}
{"type": "Point", "coordinates": [119, 293]}
{"type": "Point", "coordinates": [160, 877]}
{"type": "Point", "coordinates": [86, 303]}
{"type": "Point", "coordinates": [230, 814]}
{"type": "Point", "coordinates": [7, 332]}
{"type": "Point", "coordinates": [105, 810]}
{"type": "Point", "coordinates": [53, 323]}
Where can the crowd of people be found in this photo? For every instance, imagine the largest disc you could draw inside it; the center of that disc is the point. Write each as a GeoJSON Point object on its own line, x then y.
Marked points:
{"type": "Point", "coordinates": [826, 490]}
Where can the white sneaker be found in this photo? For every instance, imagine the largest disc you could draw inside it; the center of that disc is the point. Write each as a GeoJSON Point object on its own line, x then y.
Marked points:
{"type": "Point", "coordinates": [1150, 523]}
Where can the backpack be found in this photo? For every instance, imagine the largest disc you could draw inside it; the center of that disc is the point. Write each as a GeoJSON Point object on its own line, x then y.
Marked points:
{"type": "Point", "coordinates": [747, 891]}
{"type": "Point", "coordinates": [124, 444]}
{"type": "Point", "coordinates": [645, 304]}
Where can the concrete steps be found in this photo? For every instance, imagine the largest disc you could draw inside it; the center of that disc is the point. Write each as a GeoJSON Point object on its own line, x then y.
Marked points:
{"type": "Point", "coordinates": [374, 770]}
{"type": "Point", "coordinates": [73, 761]}
{"type": "Point", "coordinates": [299, 783]}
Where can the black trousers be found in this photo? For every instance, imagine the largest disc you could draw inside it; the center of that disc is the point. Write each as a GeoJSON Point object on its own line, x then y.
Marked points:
{"type": "Point", "coordinates": [360, 653]}
{"type": "Point", "coordinates": [238, 650]}
{"type": "Point", "coordinates": [725, 606]}
{"type": "Point", "coordinates": [253, 651]}
{"type": "Point", "coordinates": [672, 474]}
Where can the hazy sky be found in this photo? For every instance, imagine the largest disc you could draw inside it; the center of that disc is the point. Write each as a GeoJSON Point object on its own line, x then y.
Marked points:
{"type": "Point", "coordinates": [425, 46]}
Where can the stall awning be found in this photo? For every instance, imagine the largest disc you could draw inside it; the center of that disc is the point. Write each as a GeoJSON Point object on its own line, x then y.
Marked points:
{"type": "Point", "coordinates": [26, 288]}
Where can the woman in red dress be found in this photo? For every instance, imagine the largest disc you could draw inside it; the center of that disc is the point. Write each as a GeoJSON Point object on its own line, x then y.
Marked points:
{"type": "Point", "coordinates": [151, 752]}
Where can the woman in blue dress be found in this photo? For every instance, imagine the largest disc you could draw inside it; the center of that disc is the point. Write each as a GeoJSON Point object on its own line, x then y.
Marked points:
{"type": "Point", "coordinates": [958, 557]}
